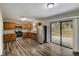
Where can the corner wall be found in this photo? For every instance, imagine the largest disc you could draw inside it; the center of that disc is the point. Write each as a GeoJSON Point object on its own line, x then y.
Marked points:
{"type": "Point", "coordinates": [76, 35]}
{"type": "Point", "coordinates": [1, 34]}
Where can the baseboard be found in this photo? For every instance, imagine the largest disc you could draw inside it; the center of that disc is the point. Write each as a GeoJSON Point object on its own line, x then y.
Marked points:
{"type": "Point", "coordinates": [76, 53]}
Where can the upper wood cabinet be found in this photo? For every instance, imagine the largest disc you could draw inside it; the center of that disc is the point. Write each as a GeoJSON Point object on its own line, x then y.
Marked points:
{"type": "Point", "coordinates": [9, 25]}
{"type": "Point", "coordinates": [30, 26]}
{"type": "Point", "coordinates": [27, 26]}
{"type": "Point", "coordinates": [12, 25]}
{"type": "Point", "coordinates": [24, 26]}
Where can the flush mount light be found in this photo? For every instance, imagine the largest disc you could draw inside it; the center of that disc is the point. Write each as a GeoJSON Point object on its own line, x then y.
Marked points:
{"type": "Point", "coordinates": [50, 5]}
{"type": "Point", "coordinates": [23, 18]}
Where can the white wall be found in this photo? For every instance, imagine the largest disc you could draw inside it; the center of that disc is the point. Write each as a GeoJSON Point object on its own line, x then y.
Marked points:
{"type": "Point", "coordinates": [46, 21]}
{"type": "Point", "coordinates": [1, 34]}
{"type": "Point", "coordinates": [76, 35]}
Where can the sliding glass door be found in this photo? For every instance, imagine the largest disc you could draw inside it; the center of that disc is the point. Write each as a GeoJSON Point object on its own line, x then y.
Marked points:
{"type": "Point", "coordinates": [67, 34]}
{"type": "Point", "coordinates": [62, 33]}
{"type": "Point", "coordinates": [55, 32]}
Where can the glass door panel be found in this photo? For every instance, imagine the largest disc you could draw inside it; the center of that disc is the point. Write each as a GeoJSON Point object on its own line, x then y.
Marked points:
{"type": "Point", "coordinates": [55, 32]}
{"type": "Point", "coordinates": [67, 34]}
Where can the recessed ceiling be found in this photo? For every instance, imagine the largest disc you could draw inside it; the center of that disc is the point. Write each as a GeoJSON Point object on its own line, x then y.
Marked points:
{"type": "Point", "coordinates": [34, 10]}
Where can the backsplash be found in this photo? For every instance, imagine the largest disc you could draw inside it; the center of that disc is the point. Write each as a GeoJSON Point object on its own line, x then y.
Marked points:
{"type": "Point", "coordinates": [8, 31]}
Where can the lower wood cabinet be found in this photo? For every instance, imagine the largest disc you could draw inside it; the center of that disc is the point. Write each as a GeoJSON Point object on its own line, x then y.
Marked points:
{"type": "Point", "coordinates": [34, 36]}
{"type": "Point", "coordinates": [27, 35]}
{"type": "Point", "coordinates": [9, 37]}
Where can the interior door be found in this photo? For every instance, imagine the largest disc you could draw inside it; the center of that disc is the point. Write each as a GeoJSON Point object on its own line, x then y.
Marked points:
{"type": "Point", "coordinates": [67, 34]}
{"type": "Point", "coordinates": [55, 32]}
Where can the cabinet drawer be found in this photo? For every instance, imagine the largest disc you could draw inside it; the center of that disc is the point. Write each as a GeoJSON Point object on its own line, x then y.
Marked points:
{"type": "Point", "coordinates": [13, 36]}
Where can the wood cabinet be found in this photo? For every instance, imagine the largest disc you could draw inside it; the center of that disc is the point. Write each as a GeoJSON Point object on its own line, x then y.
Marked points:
{"type": "Point", "coordinates": [9, 25]}
{"type": "Point", "coordinates": [24, 26]}
{"type": "Point", "coordinates": [24, 35]}
{"type": "Point", "coordinates": [27, 35]}
{"type": "Point", "coordinates": [30, 26]}
{"type": "Point", "coordinates": [34, 36]}
{"type": "Point", "coordinates": [9, 37]}
{"type": "Point", "coordinates": [27, 26]}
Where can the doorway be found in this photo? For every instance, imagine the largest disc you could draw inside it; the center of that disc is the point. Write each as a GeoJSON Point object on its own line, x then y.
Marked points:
{"type": "Point", "coordinates": [62, 33]}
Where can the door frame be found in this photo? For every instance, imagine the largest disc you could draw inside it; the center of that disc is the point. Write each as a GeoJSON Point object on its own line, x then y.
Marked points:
{"type": "Point", "coordinates": [60, 32]}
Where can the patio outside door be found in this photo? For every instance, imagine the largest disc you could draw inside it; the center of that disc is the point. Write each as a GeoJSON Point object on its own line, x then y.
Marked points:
{"type": "Point", "coordinates": [62, 33]}
{"type": "Point", "coordinates": [67, 34]}
{"type": "Point", "coordinates": [55, 32]}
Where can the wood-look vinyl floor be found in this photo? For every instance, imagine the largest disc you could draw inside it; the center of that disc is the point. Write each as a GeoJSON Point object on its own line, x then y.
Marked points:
{"type": "Point", "coordinates": [30, 47]}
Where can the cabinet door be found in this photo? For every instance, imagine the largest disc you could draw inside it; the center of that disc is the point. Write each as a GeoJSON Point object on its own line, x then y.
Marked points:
{"type": "Point", "coordinates": [24, 35]}
{"type": "Point", "coordinates": [30, 26]}
{"type": "Point", "coordinates": [24, 26]}
{"type": "Point", "coordinates": [27, 26]}
{"type": "Point", "coordinates": [6, 37]}
{"type": "Point", "coordinates": [13, 36]}
{"type": "Point", "coordinates": [9, 37]}
{"type": "Point", "coordinates": [9, 25]}
{"type": "Point", "coordinates": [29, 35]}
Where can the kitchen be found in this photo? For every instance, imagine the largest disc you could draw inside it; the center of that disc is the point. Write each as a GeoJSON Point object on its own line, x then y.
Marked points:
{"type": "Point", "coordinates": [15, 30]}
{"type": "Point", "coordinates": [28, 25]}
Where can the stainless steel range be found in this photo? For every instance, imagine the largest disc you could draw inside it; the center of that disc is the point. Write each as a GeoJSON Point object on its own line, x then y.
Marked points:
{"type": "Point", "coordinates": [18, 31]}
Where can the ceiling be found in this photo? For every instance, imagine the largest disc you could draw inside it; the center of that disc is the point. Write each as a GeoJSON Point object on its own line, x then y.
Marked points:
{"type": "Point", "coordinates": [34, 10]}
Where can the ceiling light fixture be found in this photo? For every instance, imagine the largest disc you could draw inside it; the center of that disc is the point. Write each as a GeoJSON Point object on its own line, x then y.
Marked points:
{"type": "Point", "coordinates": [23, 18]}
{"type": "Point", "coordinates": [50, 5]}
